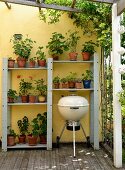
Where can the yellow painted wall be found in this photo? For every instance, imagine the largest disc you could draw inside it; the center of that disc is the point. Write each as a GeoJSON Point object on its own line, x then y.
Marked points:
{"type": "Point", "coordinates": [25, 20]}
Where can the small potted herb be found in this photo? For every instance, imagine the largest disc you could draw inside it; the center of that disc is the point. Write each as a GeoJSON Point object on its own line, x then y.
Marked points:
{"type": "Point", "coordinates": [41, 57]}
{"type": "Point", "coordinates": [88, 49]}
{"type": "Point", "coordinates": [57, 45]}
{"type": "Point", "coordinates": [11, 62]}
{"type": "Point", "coordinates": [12, 95]}
{"type": "Point", "coordinates": [64, 82]}
{"type": "Point", "coordinates": [24, 87]}
{"type": "Point", "coordinates": [72, 43]}
{"type": "Point", "coordinates": [32, 62]}
{"type": "Point", "coordinates": [11, 136]}
{"type": "Point", "coordinates": [71, 79]}
{"type": "Point", "coordinates": [78, 83]}
{"type": "Point", "coordinates": [56, 82]}
{"type": "Point", "coordinates": [41, 87]}
{"type": "Point", "coordinates": [87, 77]}
{"type": "Point", "coordinates": [33, 136]}
{"type": "Point", "coordinates": [23, 128]}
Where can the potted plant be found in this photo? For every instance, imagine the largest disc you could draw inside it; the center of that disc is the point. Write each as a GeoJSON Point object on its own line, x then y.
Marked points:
{"type": "Point", "coordinates": [24, 88]}
{"type": "Point", "coordinates": [23, 128]}
{"type": "Point", "coordinates": [32, 137]}
{"type": "Point", "coordinates": [88, 49]}
{"type": "Point", "coordinates": [64, 82]}
{"type": "Point", "coordinates": [87, 77]}
{"type": "Point", "coordinates": [11, 62]}
{"type": "Point", "coordinates": [42, 119]}
{"type": "Point", "coordinates": [22, 48]}
{"type": "Point", "coordinates": [32, 62]}
{"type": "Point", "coordinates": [56, 82]}
{"type": "Point", "coordinates": [42, 90]}
{"type": "Point", "coordinates": [32, 95]}
{"type": "Point", "coordinates": [11, 136]}
{"type": "Point", "coordinates": [12, 95]}
{"type": "Point", "coordinates": [57, 45]}
{"type": "Point", "coordinates": [41, 57]}
{"type": "Point", "coordinates": [72, 43]}
{"type": "Point", "coordinates": [78, 83]}
{"type": "Point", "coordinates": [71, 79]}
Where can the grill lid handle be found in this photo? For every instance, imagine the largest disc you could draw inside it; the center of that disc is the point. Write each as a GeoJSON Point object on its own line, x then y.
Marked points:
{"type": "Point", "coordinates": [74, 108]}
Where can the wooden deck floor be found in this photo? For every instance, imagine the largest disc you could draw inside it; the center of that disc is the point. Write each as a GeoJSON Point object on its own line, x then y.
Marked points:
{"type": "Point", "coordinates": [57, 159]}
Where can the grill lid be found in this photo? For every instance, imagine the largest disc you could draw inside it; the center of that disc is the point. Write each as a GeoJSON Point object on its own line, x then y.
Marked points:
{"type": "Point", "coordinates": [73, 101]}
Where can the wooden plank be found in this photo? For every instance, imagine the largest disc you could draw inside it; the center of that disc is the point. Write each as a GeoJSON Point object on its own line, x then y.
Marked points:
{"type": "Point", "coordinates": [120, 7]}
{"type": "Point", "coordinates": [42, 5]}
{"type": "Point", "coordinates": [19, 160]}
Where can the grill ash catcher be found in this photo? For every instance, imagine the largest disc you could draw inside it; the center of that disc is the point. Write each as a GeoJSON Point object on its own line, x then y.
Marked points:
{"type": "Point", "coordinates": [73, 108]}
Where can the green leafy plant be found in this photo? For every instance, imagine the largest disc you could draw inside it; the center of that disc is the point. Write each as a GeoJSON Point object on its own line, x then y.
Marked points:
{"type": "Point", "coordinates": [32, 59]}
{"type": "Point", "coordinates": [41, 87]}
{"type": "Point", "coordinates": [89, 47]}
{"type": "Point", "coordinates": [24, 87]}
{"type": "Point", "coordinates": [12, 94]}
{"type": "Point", "coordinates": [73, 40]}
{"type": "Point", "coordinates": [23, 125]}
{"type": "Point", "coordinates": [11, 132]}
{"type": "Point", "coordinates": [22, 47]}
{"type": "Point", "coordinates": [35, 127]}
{"type": "Point", "coordinates": [40, 54]}
{"type": "Point", "coordinates": [63, 80]}
{"type": "Point", "coordinates": [56, 79]}
{"type": "Point", "coordinates": [57, 44]}
{"type": "Point", "coordinates": [88, 75]}
{"type": "Point", "coordinates": [42, 119]}
{"type": "Point", "coordinates": [72, 77]}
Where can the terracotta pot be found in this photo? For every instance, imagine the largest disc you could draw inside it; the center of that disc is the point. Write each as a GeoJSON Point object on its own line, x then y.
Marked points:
{"type": "Point", "coordinates": [25, 99]}
{"type": "Point", "coordinates": [11, 63]}
{"type": "Point", "coordinates": [55, 57]}
{"type": "Point", "coordinates": [56, 85]}
{"type": "Point", "coordinates": [10, 140]}
{"type": "Point", "coordinates": [71, 84]}
{"type": "Point", "coordinates": [73, 56]}
{"type": "Point", "coordinates": [42, 139]}
{"type": "Point", "coordinates": [10, 100]}
{"type": "Point", "coordinates": [65, 85]}
{"type": "Point", "coordinates": [32, 99]}
{"type": "Point", "coordinates": [78, 85]}
{"type": "Point", "coordinates": [21, 62]}
{"type": "Point", "coordinates": [41, 99]}
{"type": "Point", "coordinates": [32, 64]}
{"type": "Point", "coordinates": [22, 139]}
{"type": "Point", "coordinates": [32, 140]}
{"type": "Point", "coordinates": [86, 56]}
{"type": "Point", "coordinates": [42, 63]}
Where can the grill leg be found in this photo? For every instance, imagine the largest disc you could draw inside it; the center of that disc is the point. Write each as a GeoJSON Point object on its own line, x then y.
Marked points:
{"type": "Point", "coordinates": [87, 137]}
{"type": "Point", "coordinates": [74, 140]}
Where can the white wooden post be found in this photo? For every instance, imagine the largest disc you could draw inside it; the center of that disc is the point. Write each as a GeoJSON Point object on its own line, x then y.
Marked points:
{"type": "Point", "coordinates": [117, 130]}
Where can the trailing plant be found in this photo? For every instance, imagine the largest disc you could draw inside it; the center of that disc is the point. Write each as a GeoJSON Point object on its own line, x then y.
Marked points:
{"type": "Point", "coordinates": [22, 47]}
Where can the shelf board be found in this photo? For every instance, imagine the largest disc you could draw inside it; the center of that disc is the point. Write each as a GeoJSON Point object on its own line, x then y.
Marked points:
{"type": "Point", "coordinates": [19, 146]}
{"type": "Point", "coordinates": [91, 89]}
{"type": "Point", "coordinates": [78, 61]}
{"type": "Point", "coordinates": [23, 104]}
{"type": "Point", "coordinates": [27, 68]}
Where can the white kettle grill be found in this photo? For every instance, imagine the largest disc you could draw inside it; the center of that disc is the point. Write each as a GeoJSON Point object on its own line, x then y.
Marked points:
{"type": "Point", "coordinates": [73, 108]}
